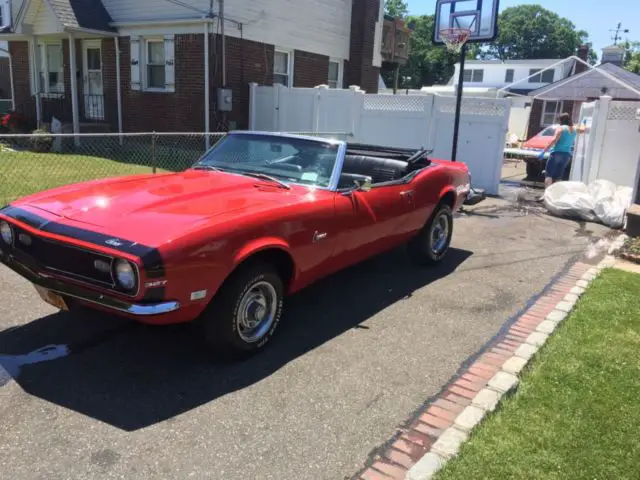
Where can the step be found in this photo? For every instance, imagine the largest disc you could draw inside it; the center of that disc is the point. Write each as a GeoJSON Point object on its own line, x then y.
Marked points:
{"type": "Point", "coordinates": [633, 220]}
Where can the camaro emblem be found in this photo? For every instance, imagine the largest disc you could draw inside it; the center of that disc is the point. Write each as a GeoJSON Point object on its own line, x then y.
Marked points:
{"type": "Point", "coordinates": [114, 242]}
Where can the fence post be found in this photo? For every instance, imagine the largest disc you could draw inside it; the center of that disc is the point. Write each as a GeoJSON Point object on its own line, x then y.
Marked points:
{"type": "Point", "coordinates": [252, 105]}
{"type": "Point", "coordinates": [154, 155]}
{"type": "Point", "coordinates": [600, 123]}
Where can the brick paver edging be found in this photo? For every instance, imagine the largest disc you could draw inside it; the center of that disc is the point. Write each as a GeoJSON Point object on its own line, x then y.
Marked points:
{"type": "Point", "coordinates": [437, 434]}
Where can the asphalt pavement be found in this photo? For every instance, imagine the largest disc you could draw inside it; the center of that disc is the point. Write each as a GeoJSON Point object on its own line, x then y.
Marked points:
{"type": "Point", "coordinates": [355, 356]}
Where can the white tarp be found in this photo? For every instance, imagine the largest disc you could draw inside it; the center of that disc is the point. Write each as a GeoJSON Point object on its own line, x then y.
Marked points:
{"type": "Point", "coordinates": [600, 201]}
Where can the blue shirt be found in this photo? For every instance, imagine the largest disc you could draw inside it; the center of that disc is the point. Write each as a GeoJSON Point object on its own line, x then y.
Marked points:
{"type": "Point", "coordinates": [566, 140]}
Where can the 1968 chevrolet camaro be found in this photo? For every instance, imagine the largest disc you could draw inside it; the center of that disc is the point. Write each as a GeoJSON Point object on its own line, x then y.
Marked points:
{"type": "Point", "coordinates": [257, 217]}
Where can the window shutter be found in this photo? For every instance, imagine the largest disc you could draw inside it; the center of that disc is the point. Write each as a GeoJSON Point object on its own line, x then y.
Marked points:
{"type": "Point", "coordinates": [135, 63]}
{"type": "Point", "coordinates": [169, 63]}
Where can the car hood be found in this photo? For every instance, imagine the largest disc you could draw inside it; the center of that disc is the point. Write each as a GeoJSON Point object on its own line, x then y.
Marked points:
{"type": "Point", "coordinates": [154, 209]}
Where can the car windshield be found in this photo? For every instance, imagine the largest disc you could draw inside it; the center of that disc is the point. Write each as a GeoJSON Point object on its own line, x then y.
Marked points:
{"type": "Point", "coordinates": [548, 132]}
{"type": "Point", "coordinates": [285, 159]}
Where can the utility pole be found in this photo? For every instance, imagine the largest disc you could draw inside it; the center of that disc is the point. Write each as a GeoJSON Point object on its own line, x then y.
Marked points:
{"type": "Point", "coordinates": [617, 31]}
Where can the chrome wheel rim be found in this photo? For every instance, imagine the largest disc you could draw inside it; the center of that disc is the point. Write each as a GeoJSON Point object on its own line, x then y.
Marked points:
{"type": "Point", "coordinates": [439, 234]}
{"type": "Point", "coordinates": [257, 312]}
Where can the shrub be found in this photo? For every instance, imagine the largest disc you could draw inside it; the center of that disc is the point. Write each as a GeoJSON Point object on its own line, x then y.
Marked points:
{"type": "Point", "coordinates": [41, 141]}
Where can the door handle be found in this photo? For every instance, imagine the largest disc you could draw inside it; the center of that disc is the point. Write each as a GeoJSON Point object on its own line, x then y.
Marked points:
{"type": "Point", "coordinates": [406, 193]}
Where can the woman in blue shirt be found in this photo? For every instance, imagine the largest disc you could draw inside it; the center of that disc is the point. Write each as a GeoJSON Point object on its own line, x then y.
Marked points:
{"type": "Point", "coordinates": [561, 147]}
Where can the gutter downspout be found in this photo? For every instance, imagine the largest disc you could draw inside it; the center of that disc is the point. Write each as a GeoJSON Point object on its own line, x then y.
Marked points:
{"type": "Point", "coordinates": [118, 87]}
{"type": "Point", "coordinates": [206, 84]}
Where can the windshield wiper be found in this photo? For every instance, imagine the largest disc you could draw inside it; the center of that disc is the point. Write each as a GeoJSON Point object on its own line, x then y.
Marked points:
{"type": "Point", "coordinates": [264, 176]}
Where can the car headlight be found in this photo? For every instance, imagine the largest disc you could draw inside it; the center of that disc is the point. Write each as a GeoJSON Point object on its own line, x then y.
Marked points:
{"type": "Point", "coordinates": [125, 274]}
{"type": "Point", "coordinates": [6, 232]}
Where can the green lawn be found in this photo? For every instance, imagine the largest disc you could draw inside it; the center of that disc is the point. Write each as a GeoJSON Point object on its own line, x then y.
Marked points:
{"type": "Point", "coordinates": [23, 173]}
{"type": "Point", "coordinates": [576, 414]}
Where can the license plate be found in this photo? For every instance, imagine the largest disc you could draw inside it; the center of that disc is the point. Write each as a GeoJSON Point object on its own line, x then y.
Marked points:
{"type": "Point", "coordinates": [52, 298]}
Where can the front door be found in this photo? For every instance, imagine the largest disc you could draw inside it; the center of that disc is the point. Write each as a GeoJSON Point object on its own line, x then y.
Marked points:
{"type": "Point", "coordinates": [93, 88]}
{"type": "Point", "coordinates": [372, 222]}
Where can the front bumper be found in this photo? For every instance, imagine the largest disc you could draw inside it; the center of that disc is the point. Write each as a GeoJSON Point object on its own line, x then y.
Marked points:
{"type": "Point", "coordinates": [21, 267]}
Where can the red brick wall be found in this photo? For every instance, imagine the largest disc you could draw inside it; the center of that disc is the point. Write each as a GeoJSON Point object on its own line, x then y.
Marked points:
{"type": "Point", "coordinates": [20, 53]}
{"type": "Point", "coordinates": [110, 82]}
{"type": "Point", "coordinates": [360, 71]}
{"type": "Point", "coordinates": [535, 118]}
{"type": "Point", "coordinates": [5, 78]}
{"type": "Point", "coordinates": [247, 62]}
{"type": "Point", "coordinates": [180, 111]}
{"type": "Point", "coordinates": [310, 69]}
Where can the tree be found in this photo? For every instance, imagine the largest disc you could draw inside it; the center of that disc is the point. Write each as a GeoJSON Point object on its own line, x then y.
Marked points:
{"type": "Point", "coordinates": [531, 32]}
{"type": "Point", "coordinates": [632, 57]}
{"type": "Point", "coordinates": [428, 64]}
{"type": "Point", "coordinates": [396, 8]}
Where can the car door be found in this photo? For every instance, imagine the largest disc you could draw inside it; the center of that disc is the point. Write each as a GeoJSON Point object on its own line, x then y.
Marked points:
{"type": "Point", "coordinates": [371, 222]}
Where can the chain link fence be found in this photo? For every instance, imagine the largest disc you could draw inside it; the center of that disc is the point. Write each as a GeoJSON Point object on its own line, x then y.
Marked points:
{"type": "Point", "coordinates": [32, 163]}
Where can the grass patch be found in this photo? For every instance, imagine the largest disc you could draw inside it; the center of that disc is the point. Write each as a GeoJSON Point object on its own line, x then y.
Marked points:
{"type": "Point", "coordinates": [24, 173]}
{"type": "Point", "coordinates": [576, 413]}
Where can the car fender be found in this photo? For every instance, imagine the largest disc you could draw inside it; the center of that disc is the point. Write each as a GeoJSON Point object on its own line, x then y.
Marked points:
{"type": "Point", "coordinates": [262, 244]}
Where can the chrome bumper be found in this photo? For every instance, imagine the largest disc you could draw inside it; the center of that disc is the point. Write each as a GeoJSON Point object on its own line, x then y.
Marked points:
{"type": "Point", "coordinates": [90, 296]}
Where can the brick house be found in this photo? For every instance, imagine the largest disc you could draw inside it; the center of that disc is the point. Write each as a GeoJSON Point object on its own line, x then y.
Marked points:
{"type": "Point", "coordinates": [151, 64]}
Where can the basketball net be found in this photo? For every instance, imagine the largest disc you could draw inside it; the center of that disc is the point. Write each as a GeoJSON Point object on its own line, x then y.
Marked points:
{"type": "Point", "coordinates": [454, 38]}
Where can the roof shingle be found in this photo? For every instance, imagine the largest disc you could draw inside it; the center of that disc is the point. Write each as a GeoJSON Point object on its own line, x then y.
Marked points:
{"type": "Point", "coordinates": [89, 14]}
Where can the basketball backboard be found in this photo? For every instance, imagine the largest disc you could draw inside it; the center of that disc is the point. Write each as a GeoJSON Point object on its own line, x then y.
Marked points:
{"type": "Point", "coordinates": [479, 16]}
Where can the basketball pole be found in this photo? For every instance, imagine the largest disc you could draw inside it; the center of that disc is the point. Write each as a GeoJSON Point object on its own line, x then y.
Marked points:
{"type": "Point", "coordinates": [456, 120]}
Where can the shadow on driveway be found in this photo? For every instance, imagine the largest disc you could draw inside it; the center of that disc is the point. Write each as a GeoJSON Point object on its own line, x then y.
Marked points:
{"type": "Point", "coordinates": [132, 376]}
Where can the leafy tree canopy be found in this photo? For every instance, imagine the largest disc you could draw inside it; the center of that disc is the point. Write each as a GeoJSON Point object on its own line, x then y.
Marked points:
{"type": "Point", "coordinates": [396, 8]}
{"type": "Point", "coordinates": [531, 32]}
{"type": "Point", "coordinates": [632, 57]}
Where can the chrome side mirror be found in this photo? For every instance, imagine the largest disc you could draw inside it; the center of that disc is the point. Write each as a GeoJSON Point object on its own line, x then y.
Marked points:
{"type": "Point", "coordinates": [363, 185]}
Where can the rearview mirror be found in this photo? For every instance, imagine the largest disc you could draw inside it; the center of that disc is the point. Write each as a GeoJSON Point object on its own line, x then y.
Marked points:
{"type": "Point", "coordinates": [363, 184]}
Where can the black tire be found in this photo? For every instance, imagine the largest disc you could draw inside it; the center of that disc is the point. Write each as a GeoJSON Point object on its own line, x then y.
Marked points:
{"type": "Point", "coordinates": [221, 328]}
{"type": "Point", "coordinates": [422, 248]}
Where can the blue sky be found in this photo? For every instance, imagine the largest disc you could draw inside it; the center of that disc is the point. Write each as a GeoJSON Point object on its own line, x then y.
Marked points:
{"type": "Point", "coordinates": [589, 15]}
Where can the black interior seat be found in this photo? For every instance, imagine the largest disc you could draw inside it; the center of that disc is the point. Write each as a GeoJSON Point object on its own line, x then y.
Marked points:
{"type": "Point", "coordinates": [379, 169]}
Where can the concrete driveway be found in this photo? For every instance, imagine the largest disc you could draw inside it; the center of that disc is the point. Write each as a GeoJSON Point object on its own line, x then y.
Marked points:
{"type": "Point", "coordinates": [355, 357]}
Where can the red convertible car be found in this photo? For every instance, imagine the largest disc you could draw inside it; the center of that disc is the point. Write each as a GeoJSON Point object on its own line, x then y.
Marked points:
{"type": "Point", "coordinates": [257, 217]}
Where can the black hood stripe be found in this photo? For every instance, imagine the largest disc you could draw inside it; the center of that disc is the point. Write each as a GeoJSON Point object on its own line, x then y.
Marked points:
{"type": "Point", "coordinates": [150, 256]}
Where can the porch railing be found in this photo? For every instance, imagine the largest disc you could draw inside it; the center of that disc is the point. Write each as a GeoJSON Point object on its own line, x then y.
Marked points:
{"type": "Point", "coordinates": [93, 108]}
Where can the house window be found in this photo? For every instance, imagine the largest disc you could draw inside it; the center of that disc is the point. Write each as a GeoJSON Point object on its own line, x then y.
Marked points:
{"type": "Point", "coordinates": [508, 76]}
{"type": "Point", "coordinates": [282, 68]}
{"type": "Point", "coordinates": [335, 74]}
{"type": "Point", "coordinates": [474, 76]}
{"type": "Point", "coordinates": [541, 77]}
{"type": "Point", "coordinates": [51, 68]}
{"type": "Point", "coordinates": [155, 64]}
{"type": "Point", "coordinates": [1, 17]}
{"type": "Point", "coordinates": [550, 112]}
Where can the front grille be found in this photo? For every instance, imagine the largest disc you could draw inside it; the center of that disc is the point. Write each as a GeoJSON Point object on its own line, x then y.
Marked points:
{"type": "Point", "coordinates": [66, 260]}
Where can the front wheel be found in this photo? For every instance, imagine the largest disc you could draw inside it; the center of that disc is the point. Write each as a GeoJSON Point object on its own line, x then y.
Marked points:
{"type": "Point", "coordinates": [245, 312]}
{"type": "Point", "coordinates": [432, 243]}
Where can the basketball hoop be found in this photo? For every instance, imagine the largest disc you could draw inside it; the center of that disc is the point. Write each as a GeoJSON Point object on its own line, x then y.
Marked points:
{"type": "Point", "coordinates": [454, 38]}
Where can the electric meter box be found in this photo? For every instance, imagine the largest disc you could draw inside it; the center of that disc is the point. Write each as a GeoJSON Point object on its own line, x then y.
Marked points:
{"type": "Point", "coordinates": [225, 99]}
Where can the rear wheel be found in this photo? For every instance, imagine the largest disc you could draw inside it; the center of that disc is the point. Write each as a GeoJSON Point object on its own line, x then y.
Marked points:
{"type": "Point", "coordinates": [244, 314]}
{"type": "Point", "coordinates": [431, 244]}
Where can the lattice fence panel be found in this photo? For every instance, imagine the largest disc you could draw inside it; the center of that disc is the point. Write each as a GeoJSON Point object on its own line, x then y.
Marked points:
{"type": "Point", "coordinates": [623, 111]}
{"type": "Point", "coordinates": [475, 107]}
{"type": "Point", "coordinates": [395, 103]}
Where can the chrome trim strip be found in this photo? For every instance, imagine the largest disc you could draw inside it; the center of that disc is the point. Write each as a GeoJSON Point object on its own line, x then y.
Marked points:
{"type": "Point", "coordinates": [134, 309]}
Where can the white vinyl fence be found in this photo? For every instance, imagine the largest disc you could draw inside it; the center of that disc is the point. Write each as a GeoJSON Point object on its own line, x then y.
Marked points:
{"type": "Point", "coordinates": [409, 121]}
{"type": "Point", "coordinates": [611, 148]}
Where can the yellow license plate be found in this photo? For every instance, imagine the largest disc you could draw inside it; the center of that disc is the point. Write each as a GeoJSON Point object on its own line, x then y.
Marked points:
{"type": "Point", "coordinates": [52, 298]}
